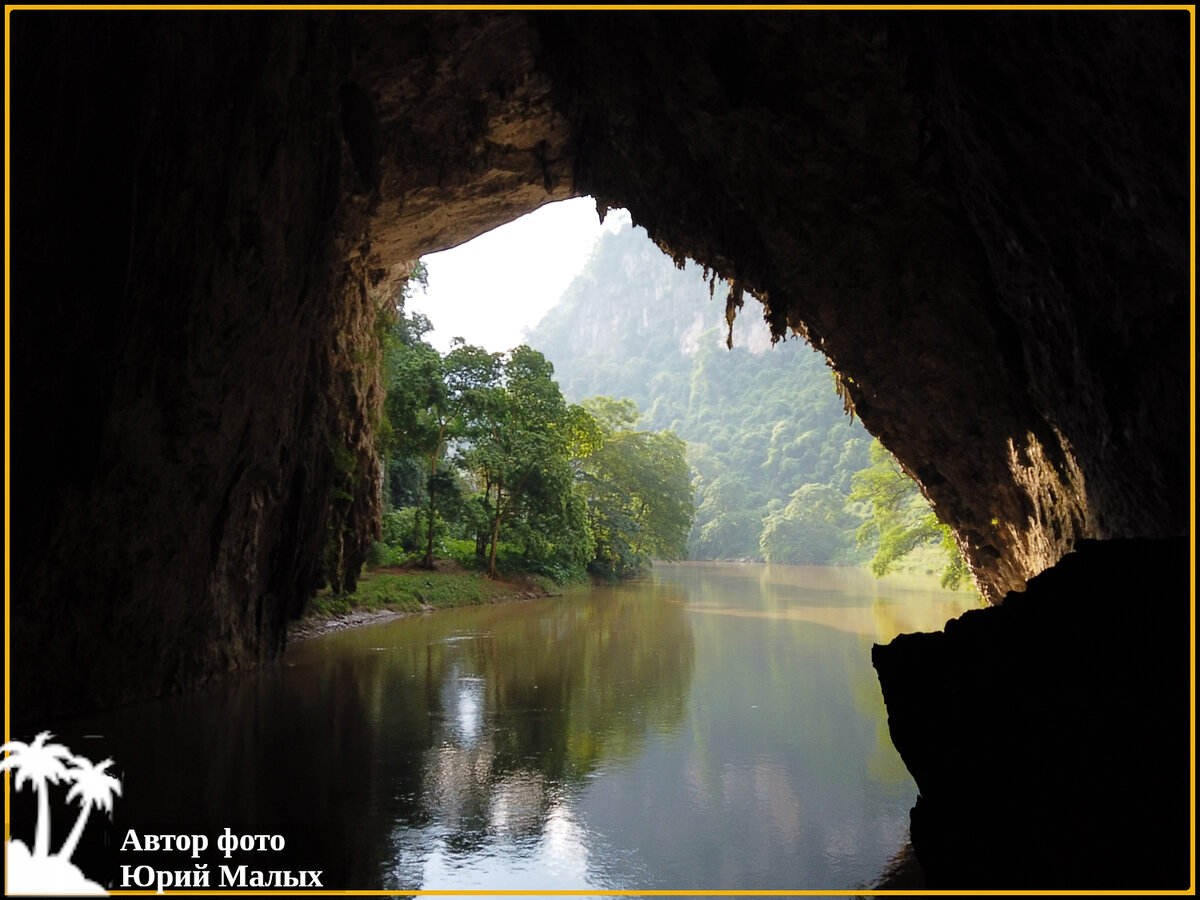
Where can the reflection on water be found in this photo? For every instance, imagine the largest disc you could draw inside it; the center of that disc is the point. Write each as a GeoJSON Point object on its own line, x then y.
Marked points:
{"type": "Point", "coordinates": [526, 711]}
{"type": "Point", "coordinates": [846, 599]}
{"type": "Point", "coordinates": [713, 726]}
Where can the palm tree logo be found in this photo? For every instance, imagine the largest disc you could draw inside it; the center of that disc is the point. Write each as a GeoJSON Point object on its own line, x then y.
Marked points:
{"type": "Point", "coordinates": [94, 787]}
{"type": "Point", "coordinates": [42, 764]}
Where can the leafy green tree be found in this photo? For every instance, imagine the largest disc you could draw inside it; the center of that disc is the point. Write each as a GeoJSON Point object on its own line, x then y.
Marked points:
{"type": "Point", "coordinates": [429, 401]}
{"type": "Point", "coordinates": [664, 509]}
{"type": "Point", "coordinates": [810, 530]}
{"type": "Point", "coordinates": [901, 520]}
{"type": "Point", "coordinates": [637, 486]}
{"type": "Point", "coordinates": [411, 382]}
{"type": "Point", "coordinates": [584, 435]}
{"type": "Point", "coordinates": [729, 511]}
{"type": "Point", "coordinates": [613, 415]}
{"type": "Point", "coordinates": [516, 445]}
{"type": "Point", "coordinates": [422, 418]}
{"type": "Point", "coordinates": [488, 424]}
{"type": "Point", "coordinates": [956, 574]}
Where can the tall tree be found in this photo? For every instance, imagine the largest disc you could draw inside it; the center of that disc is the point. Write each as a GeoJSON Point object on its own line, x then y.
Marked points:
{"type": "Point", "coordinates": [637, 485]}
{"type": "Point", "coordinates": [406, 382]}
{"type": "Point", "coordinates": [422, 418]}
{"type": "Point", "coordinates": [517, 443]}
{"type": "Point", "coordinates": [428, 396]}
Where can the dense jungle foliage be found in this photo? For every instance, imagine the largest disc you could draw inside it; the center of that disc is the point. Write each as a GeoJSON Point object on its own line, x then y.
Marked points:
{"type": "Point", "coordinates": [485, 462]}
{"type": "Point", "coordinates": [741, 453]}
{"type": "Point", "coordinates": [781, 472]}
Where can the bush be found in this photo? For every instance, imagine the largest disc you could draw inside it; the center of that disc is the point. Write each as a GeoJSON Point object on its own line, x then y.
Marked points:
{"type": "Point", "coordinates": [400, 529]}
{"type": "Point", "coordinates": [462, 552]}
{"type": "Point", "coordinates": [405, 531]}
{"type": "Point", "coordinates": [378, 554]}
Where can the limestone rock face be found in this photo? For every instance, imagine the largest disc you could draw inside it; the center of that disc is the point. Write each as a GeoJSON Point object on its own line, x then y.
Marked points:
{"type": "Point", "coordinates": [981, 219]}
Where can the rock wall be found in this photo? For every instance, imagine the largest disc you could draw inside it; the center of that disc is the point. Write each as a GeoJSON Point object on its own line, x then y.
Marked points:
{"type": "Point", "coordinates": [189, 328]}
{"type": "Point", "coordinates": [982, 219]}
{"type": "Point", "coordinates": [1049, 736]}
{"type": "Point", "coordinates": [464, 133]}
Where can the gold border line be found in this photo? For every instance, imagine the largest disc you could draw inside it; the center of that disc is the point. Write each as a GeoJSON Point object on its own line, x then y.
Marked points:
{"type": "Point", "coordinates": [7, 426]}
{"type": "Point", "coordinates": [421, 7]}
{"type": "Point", "coordinates": [1192, 389]}
{"type": "Point", "coordinates": [515, 7]}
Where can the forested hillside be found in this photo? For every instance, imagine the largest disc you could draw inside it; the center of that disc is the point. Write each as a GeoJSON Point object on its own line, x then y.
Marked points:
{"type": "Point", "coordinates": [773, 450]}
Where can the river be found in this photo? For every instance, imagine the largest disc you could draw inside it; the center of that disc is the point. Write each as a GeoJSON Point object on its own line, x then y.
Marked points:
{"type": "Point", "coordinates": [711, 726]}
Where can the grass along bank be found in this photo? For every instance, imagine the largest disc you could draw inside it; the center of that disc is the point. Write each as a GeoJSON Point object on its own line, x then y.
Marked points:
{"type": "Point", "coordinates": [387, 593]}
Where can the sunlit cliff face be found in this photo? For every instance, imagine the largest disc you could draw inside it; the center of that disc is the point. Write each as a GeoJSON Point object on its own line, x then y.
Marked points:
{"type": "Point", "coordinates": [982, 221]}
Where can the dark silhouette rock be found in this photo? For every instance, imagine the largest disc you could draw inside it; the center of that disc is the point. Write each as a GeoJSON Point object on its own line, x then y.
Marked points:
{"type": "Point", "coordinates": [1049, 736]}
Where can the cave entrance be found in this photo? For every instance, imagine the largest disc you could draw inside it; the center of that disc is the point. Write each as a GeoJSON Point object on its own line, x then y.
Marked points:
{"type": "Point", "coordinates": [781, 474]}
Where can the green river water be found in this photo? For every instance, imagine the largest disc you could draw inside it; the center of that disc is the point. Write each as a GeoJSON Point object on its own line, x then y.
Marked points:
{"type": "Point", "coordinates": [708, 727]}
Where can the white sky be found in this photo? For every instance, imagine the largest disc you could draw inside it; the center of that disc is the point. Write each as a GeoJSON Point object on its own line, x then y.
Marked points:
{"type": "Point", "coordinates": [491, 289]}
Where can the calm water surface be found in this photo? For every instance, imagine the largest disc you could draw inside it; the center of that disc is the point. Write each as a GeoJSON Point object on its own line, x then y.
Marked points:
{"type": "Point", "coordinates": [712, 726]}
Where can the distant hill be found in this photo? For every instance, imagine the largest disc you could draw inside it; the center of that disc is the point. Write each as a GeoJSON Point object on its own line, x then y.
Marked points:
{"type": "Point", "coordinates": [771, 446]}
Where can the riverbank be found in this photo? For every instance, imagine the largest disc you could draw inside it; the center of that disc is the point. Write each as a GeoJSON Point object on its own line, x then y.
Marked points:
{"type": "Point", "coordinates": [390, 593]}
